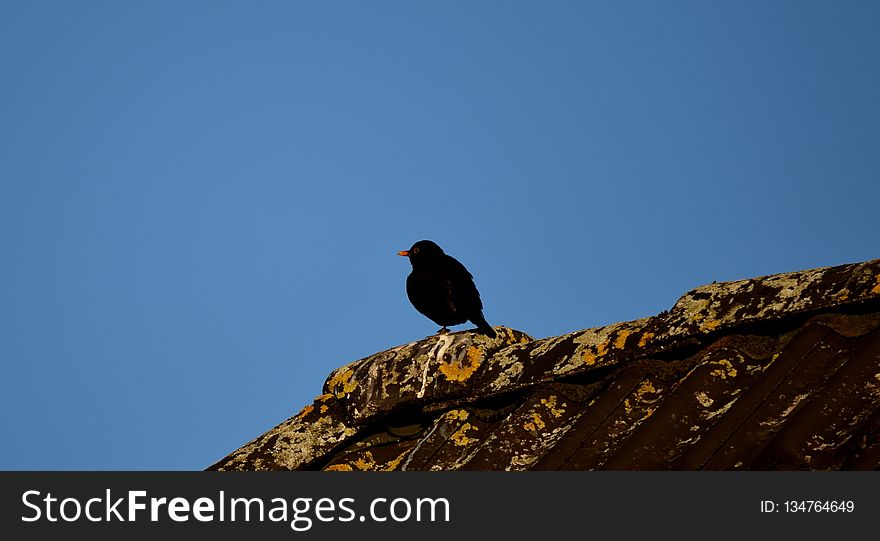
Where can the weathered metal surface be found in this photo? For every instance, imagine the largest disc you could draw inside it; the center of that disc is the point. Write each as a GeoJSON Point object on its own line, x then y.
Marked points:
{"type": "Point", "coordinates": [775, 372]}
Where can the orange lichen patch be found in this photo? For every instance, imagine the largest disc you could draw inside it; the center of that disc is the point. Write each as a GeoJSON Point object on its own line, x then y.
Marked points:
{"type": "Point", "coordinates": [645, 388]}
{"type": "Point", "coordinates": [620, 341]}
{"type": "Point", "coordinates": [305, 411]}
{"type": "Point", "coordinates": [726, 369]}
{"type": "Point", "coordinates": [841, 296]}
{"type": "Point", "coordinates": [703, 399]}
{"type": "Point", "coordinates": [550, 404]}
{"type": "Point", "coordinates": [646, 337]}
{"type": "Point", "coordinates": [460, 372]}
{"type": "Point", "coordinates": [511, 336]}
{"type": "Point", "coordinates": [341, 383]}
{"type": "Point", "coordinates": [368, 463]}
{"type": "Point", "coordinates": [365, 463]}
{"type": "Point", "coordinates": [709, 325]}
{"type": "Point", "coordinates": [324, 408]}
{"type": "Point", "coordinates": [392, 465]}
{"type": "Point", "coordinates": [876, 288]}
{"type": "Point", "coordinates": [459, 437]}
{"type": "Point", "coordinates": [457, 415]}
{"type": "Point", "coordinates": [325, 397]}
{"type": "Point", "coordinates": [591, 357]}
{"type": "Point", "coordinates": [474, 354]}
{"type": "Point", "coordinates": [535, 424]}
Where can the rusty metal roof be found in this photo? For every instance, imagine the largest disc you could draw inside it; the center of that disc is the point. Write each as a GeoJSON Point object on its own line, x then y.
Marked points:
{"type": "Point", "coordinates": [778, 372]}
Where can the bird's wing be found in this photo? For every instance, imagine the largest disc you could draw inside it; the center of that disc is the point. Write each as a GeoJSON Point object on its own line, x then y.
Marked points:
{"type": "Point", "coordinates": [457, 269]}
{"type": "Point", "coordinates": [464, 295]}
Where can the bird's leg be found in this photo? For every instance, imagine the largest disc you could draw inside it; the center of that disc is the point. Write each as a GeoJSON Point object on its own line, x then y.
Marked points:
{"type": "Point", "coordinates": [444, 330]}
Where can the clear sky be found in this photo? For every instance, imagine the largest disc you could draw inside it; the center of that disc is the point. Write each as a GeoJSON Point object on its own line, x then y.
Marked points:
{"type": "Point", "coordinates": [201, 202]}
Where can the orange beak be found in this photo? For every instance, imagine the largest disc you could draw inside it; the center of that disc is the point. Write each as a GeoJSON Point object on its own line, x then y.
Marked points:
{"type": "Point", "coordinates": [404, 253]}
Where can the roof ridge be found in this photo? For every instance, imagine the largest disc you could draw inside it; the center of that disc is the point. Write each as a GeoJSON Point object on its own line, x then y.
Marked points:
{"type": "Point", "coordinates": [444, 370]}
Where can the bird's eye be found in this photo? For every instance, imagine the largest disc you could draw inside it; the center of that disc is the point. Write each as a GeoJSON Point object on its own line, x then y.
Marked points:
{"type": "Point", "coordinates": [415, 250]}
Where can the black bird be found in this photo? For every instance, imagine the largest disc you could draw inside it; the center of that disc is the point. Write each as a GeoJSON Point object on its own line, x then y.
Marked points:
{"type": "Point", "coordinates": [442, 289]}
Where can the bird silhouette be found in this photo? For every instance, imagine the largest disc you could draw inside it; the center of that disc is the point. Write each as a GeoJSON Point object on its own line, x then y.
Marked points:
{"type": "Point", "coordinates": [442, 289]}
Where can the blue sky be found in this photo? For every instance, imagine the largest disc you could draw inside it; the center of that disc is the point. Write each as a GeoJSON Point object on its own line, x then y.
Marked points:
{"type": "Point", "coordinates": [201, 202]}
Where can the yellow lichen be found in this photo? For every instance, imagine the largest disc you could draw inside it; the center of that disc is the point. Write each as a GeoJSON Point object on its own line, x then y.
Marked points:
{"type": "Point", "coordinates": [876, 288]}
{"type": "Point", "coordinates": [703, 399]}
{"type": "Point", "coordinates": [457, 415]}
{"type": "Point", "coordinates": [341, 383]}
{"type": "Point", "coordinates": [535, 424]}
{"type": "Point", "coordinates": [474, 354]}
{"type": "Point", "coordinates": [460, 372]}
{"type": "Point", "coordinates": [620, 341]}
{"type": "Point", "coordinates": [726, 370]}
{"type": "Point", "coordinates": [459, 437]}
{"type": "Point", "coordinates": [550, 404]}
{"type": "Point", "coordinates": [709, 325]}
{"type": "Point", "coordinates": [366, 463]}
{"type": "Point", "coordinates": [590, 358]}
{"type": "Point", "coordinates": [392, 465]}
{"type": "Point", "coordinates": [645, 388]}
{"type": "Point", "coordinates": [305, 411]}
{"type": "Point", "coordinates": [324, 408]}
{"type": "Point", "coordinates": [325, 397]}
{"type": "Point", "coordinates": [511, 336]}
{"type": "Point", "coordinates": [645, 338]}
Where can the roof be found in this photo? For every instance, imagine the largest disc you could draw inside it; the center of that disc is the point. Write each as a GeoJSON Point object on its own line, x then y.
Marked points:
{"type": "Point", "coordinates": [777, 372]}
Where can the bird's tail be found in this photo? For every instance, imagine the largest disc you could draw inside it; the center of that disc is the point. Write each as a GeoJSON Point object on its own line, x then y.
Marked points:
{"type": "Point", "coordinates": [482, 325]}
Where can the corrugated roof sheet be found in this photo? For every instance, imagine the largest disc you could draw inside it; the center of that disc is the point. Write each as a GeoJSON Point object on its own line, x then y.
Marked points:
{"type": "Point", "coordinates": [779, 372]}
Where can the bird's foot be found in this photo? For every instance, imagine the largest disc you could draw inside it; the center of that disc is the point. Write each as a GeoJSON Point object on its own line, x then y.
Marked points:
{"type": "Point", "coordinates": [444, 330]}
